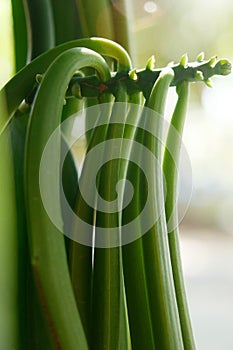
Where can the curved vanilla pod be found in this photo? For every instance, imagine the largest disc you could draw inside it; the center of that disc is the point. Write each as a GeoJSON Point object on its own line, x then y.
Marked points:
{"type": "Point", "coordinates": [159, 278]}
{"type": "Point", "coordinates": [48, 254]}
{"type": "Point", "coordinates": [40, 27]}
{"type": "Point", "coordinates": [33, 335]}
{"type": "Point", "coordinates": [170, 170]}
{"type": "Point", "coordinates": [20, 86]}
{"type": "Point", "coordinates": [27, 307]}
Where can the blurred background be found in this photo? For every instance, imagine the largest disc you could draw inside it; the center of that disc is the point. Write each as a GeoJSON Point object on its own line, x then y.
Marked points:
{"type": "Point", "coordinates": [169, 29]}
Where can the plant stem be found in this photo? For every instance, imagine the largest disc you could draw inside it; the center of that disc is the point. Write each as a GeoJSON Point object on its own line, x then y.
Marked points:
{"type": "Point", "coordinates": [48, 253]}
{"type": "Point", "coordinates": [95, 18]}
{"type": "Point", "coordinates": [145, 78]}
{"type": "Point", "coordinates": [21, 85]}
{"type": "Point", "coordinates": [120, 22]}
{"type": "Point", "coordinates": [20, 34]}
{"type": "Point", "coordinates": [65, 13]}
{"type": "Point", "coordinates": [9, 332]}
{"type": "Point", "coordinates": [18, 127]}
{"type": "Point", "coordinates": [40, 27]}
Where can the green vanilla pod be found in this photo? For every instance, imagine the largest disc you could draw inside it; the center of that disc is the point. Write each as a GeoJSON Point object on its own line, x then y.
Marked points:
{"type": "Point", "coordinates": [48, 255]}
{"type": "Point", "coordinates": [18, 128]}
{"type": "Point", "coordinates": [9, 323]}
{"type": "Point", "coordinates": [33, 329]}
{"type": "Point", "coordinates": [86, 296]}
{"type": "Point", "coordinates": [40, 25]}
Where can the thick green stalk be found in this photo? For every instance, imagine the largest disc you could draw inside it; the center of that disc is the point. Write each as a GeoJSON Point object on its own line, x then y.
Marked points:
{"type": "Point", "coordinates": [18, 127]}
{"type": "Point", "coordinates": [95, 18]}
{"type": "Point", "coordinates": [40, 27]}
{"type": "Point", "coordinates": [21, 85]}
{"type": "Point", "coordinates": [120, 22]}
{"type": "Point", "coordinates": [160, 285]}
{"type": "Point", "coordinates": [9, 332]}
{"type": "Point", "coordinates": [48, 253]}
{"type": "Point", "coordinates": [8, 243]}
{"type": "Point", "coordinates": [66, 21]}
{"type": "Point", "coordinates": [144, 79]}
{"type": "Point", "coordinates": [170, 170]}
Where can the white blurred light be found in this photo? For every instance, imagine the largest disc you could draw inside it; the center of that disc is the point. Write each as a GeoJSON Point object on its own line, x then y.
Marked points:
{"type": "Point", "coordinates": [150, 6]}
{"type": "Point", "coordinates": [218, 103]}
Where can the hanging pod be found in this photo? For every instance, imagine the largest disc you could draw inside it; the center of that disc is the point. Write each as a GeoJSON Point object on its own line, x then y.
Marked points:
{"type": "Point", "coordinates": [47, 247]}
{"type": "Point", "coordinates": [170, 171]}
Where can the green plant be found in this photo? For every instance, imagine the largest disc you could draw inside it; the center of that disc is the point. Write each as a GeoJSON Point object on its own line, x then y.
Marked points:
{"type": "Point", "coordinates": [123, 290]}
